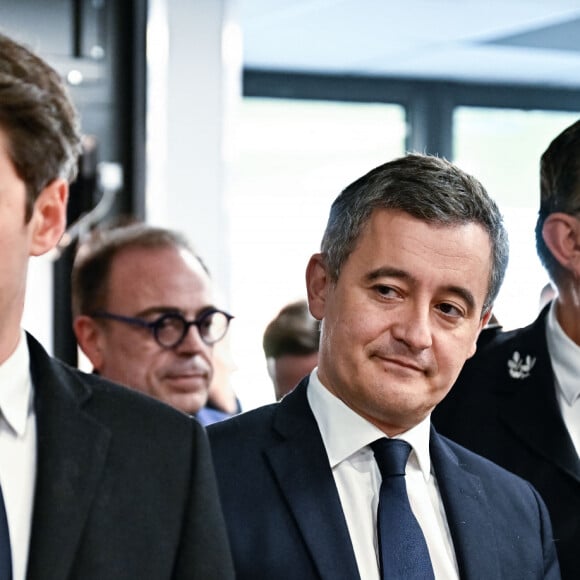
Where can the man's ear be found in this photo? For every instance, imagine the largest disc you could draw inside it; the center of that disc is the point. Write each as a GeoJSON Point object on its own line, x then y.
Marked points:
{"type": "Point", "coordinates": [485, 319]}
{"type": "Point", "coordinates": [561, 233]}
{"type": "Point", "coordinates": [48, 221]}
{"type": "Point", "coordinates": [89, 335]}
{"type": "Point", "coordinates": [317, 284]}
{"type": "Point", "coordinates": [482, 324]}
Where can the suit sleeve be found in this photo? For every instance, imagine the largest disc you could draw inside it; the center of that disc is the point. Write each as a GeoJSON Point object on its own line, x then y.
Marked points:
{"type": "Point", "coordinates": [551, 566]}
{"type": "Point", "coordinates": [204, 552]}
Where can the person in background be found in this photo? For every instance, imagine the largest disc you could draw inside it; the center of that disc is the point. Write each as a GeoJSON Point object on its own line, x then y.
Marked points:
{"type": "Point", "coordinates": [517, 401]}
{"type": "Point", "coordinates": [96, 481]}
{"type": "Point", "coordinates": [144, 314]}
{"type": "Point", "coordinates": [291, 346]}
{"type": "Point", "coordinates": [221, 394]}
{"type": "Point", "coordinates": [344, 477]}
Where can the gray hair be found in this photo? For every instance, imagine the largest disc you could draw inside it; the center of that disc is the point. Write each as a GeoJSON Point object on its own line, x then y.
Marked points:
{"type": "Point", "coordinates": [426, 187]}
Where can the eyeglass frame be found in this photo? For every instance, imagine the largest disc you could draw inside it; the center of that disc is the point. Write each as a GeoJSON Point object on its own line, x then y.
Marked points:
{"type": "Point", "coordinates": [155, 325]}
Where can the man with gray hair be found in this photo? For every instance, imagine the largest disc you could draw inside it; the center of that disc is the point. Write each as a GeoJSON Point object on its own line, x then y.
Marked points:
{"type": "Point", "coordinates": [345, 477]}
{"type": "Point", "coordinates": [144, 314]}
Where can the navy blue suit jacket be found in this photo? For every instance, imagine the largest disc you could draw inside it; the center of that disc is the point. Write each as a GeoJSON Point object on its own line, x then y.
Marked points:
{"type": "Point", "coordinates": [285, 519]}
{"type": "Point", "coordinates": [124, 484]}
{"type": "Point", "coordinates": [504, 407]}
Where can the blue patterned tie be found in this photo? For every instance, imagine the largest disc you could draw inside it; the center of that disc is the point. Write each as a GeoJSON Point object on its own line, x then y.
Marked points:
{"type": "Point", "coordinates": [5, 556]}
{"type": "Point", "coordinates": [403, 550]}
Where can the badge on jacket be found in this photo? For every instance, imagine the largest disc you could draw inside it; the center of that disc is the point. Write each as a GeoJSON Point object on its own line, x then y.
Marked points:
{"type": "Point", "coordinates": [519, 367]}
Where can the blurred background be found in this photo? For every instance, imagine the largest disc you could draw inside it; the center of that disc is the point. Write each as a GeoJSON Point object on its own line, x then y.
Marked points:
{"type": "Point", "coordinates": [237, 122]}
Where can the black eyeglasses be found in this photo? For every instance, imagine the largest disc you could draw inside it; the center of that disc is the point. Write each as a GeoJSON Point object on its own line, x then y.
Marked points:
{"type": "Point", "coordinates": [170, 329]}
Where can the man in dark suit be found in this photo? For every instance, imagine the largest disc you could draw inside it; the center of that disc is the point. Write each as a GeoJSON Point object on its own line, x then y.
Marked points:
{"type": "Point", "coordinates": [411, 261]}
{"type": "Point", "coordinates": [517, 401]}
{"type": "Point", "coordinates": [98, 482]}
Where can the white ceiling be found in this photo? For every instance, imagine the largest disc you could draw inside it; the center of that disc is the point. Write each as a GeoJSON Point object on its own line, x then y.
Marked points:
{"type": "Point", "coordinates": [511, 41]}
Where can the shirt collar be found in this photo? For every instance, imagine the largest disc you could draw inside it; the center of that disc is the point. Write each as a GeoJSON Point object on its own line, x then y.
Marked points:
{"type": "Point", "coordinates": [564, 354]}
{"type": "Point", "coordinates": [16, 387]}
{"type": "Point", "coordinates": [345, 432]}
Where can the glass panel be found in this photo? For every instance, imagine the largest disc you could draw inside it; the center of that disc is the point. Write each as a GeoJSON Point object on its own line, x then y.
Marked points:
{"type": "Point", "coordinates": [502, 148]}
{"type": "Point", "coordinates": [292, 158]}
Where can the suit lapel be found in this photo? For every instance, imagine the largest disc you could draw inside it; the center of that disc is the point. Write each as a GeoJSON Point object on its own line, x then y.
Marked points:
{"type": "Point", "coordinates": [536, 420]}
{"type": "Point", "coordinates": [532, 413]}
{"type": "Point", "coordinates": [300, 465]}
{"type": "Point", "coordinates": [467, 510]}
{"type": "Point", "coordinates": [71, 454]}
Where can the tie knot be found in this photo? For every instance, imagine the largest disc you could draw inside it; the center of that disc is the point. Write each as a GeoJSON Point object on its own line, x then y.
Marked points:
{"type": "Point", "coordinates": [391, 456]}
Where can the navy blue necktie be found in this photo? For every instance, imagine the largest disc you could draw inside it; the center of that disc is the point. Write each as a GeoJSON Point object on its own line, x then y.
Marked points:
{"type": "Point", "coordinates": [403, 550]}
{"type": "Point", "coordinates": [5, 556]}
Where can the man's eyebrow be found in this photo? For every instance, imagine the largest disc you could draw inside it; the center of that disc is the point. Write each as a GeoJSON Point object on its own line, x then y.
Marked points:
{"type": "Point", "coordinates": [388, 272]}
{"type": "Point", "coordinates": [160, 310]}
{"type": "Point", "coordinates": [465, 294]}
{"type": "Point", "coordinates": [460, 291]}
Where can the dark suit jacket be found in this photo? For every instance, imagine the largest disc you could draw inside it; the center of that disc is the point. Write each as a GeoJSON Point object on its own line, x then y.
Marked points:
{"type": "Point", "coordinates": [124, 489]}
{"type": "Point", "coordinates": [285, 520]}
{"type": "Point", "coordinates": [510, 414]}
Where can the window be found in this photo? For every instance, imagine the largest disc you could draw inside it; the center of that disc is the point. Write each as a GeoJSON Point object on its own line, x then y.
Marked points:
{"type": "Point", "coordinates": [298, 150]}
{"type": "Point", "coordinates": [502, 148]}
{"type": "Point", "coordinates": [293, 158]}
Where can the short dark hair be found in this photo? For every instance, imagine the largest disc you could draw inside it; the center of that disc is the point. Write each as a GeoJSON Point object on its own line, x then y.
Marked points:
{"type": "Point", "coordinates": [39, 119]}
{"type": "Point", "coordinates": [426, 187]}
{"type": "Point", "coordinates": [293, 331]}
{"type": "Point", "coordinates": [92, 265]}
{"type": "Point", "coordinates": [559, 189]}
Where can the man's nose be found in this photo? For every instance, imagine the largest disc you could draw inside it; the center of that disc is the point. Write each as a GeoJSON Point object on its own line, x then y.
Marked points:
{"type": "Point", "coordinates": [413, 327]}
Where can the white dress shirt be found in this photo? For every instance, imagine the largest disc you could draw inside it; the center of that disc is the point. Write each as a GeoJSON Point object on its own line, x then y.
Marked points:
{"type": "Point", "coordinates": [346, 437]}
{"type": "Point", "coordinates": [565, 357]}
{"type": "Point", "coordinates": [17, 452]}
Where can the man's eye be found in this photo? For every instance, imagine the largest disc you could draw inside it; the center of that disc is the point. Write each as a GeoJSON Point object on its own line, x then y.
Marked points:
{"type": "Point", "coordinates": [168, 322]}
{"type": "Point", "coordinates": [384, 290]}
{"type": "Point", "coordinates": [450, 309]}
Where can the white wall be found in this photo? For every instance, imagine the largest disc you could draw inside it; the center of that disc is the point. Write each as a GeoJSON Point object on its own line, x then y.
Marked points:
{"type": "Point", "coordinates": [194, 61]}
{"type": "Point", "coordinates": [38, 317]}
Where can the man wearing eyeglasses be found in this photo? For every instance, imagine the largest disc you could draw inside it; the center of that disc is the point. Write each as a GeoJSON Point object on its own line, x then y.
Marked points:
{"type": "Point", "coordinates": [145, 316]}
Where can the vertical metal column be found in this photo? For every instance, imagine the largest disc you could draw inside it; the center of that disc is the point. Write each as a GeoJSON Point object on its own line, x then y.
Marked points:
{"type": "Point", "coordinates": [430, 115]}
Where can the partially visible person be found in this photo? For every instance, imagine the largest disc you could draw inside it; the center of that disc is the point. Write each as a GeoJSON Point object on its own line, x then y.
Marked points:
{"type": "Point", "coordinates": [97, 481]}
{"type": "Point", "coordinates": [222, 397]}
{"type": "Point", "coordinates": [517, 401]}
{"type": "Point", "coordinates": [411, 261]}
{"type": "Point", "coordinates": [145, 316]}
{"type": "Point", "coordinates": [291, 346]}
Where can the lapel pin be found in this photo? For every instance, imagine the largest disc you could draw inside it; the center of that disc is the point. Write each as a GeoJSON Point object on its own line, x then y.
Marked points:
{"type": "Point", "coordinates": [519, 367]}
